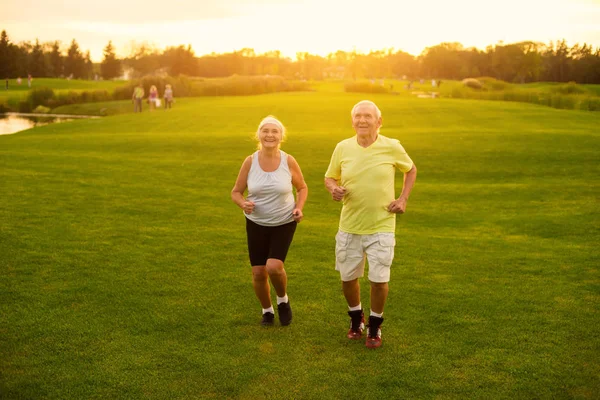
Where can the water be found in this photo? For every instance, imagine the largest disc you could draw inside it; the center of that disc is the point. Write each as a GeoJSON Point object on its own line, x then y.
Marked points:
{"type": "Point", "coordinates": [15, 123]}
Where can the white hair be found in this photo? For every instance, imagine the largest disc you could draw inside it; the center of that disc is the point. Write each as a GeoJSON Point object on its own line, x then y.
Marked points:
{"type": "Point", "coordinates": [369, 103]}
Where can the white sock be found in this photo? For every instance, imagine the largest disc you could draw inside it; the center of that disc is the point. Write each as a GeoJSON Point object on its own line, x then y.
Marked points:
{"type": "Point", "coordinates": [283, 299]}
{"type": "Point", "coordinates": [355, 308]}
{"type": "Point", "coordinates": [270, 309]}
{"type": "Point", "coordinates": [374, 314]}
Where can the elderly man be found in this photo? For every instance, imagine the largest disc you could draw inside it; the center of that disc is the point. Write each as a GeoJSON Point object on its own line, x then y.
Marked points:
{"type": "Point", "coordinates": [361, 174]}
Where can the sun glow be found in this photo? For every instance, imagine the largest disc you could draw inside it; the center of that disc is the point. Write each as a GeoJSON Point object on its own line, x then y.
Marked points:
{"type": "Point", "coordinates": [322, 26]}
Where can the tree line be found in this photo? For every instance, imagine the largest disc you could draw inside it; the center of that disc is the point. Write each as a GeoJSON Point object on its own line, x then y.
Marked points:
{"type": "Point", "coordinates": [516, 62]}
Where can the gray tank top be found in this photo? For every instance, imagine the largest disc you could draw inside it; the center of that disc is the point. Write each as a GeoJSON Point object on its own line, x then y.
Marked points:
{"type": "Point", "coordinates": [271, 193]}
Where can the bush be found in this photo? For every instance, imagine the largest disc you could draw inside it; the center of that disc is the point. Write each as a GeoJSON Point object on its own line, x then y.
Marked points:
{"type": "Point", "coordinates": [493, 83]}
{"type": "Point", "coordinates": [40, 96]}
{"type": "Point", "coordinates": [41, 110]}
{"type": "Point", "coordinates": [237, 85]}
{"type": "Point", "coordinates": [590, 104]}
{"type": "Point", "coordinates": [365, 87]}
{"type": "Point", "coordinates": [24, 107]}
{"type": "Point", "coordinates": [569, 88]}
{"type": "Point", "coordinates": [472, 83]}
{"type": "Point", "coordinates": [182, 86]}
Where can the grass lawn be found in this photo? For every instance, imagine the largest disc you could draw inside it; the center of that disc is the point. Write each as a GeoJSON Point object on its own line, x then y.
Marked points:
{"type": "Point", "coordinates": [124, 271]}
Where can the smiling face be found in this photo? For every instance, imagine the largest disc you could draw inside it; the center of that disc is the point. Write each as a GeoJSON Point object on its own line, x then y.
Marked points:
{"type": "Point", "coordinates": [365, 121]}
{"type": "Point", "coordinates": [270, 136]}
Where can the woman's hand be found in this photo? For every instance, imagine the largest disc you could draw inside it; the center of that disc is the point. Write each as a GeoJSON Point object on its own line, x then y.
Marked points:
{"type": "Point", "coordinates": [248, 207]}
{"type": "Point", "coordinates": [297, 214]}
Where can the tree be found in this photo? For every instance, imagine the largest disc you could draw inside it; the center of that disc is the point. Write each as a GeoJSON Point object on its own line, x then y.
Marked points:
{"type": "Point", "coordinates": [6, 61]}
{"type": "Point", "coordinates": [181, 60]}
{"type": "Point", "coordinates": [88, 66]}
{"type": "Point", "coordinates": [37, 62]}
{"type": "Point", "coordinates": [74, 63]}
{"type": "Point", "coordinates": [111, 66]}
{"type": "Point", "coordinates": [56, 61]}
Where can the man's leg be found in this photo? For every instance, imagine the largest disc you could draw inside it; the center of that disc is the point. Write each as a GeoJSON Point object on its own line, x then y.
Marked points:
{"type": "Point", "coordinates": [380, 253]}
{"type": "Point", "coordinates": [351, 292]}
{"type": "Point", "coordinates": [379, 293]}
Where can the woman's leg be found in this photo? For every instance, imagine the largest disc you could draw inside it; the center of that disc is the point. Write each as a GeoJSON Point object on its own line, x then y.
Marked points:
{"type": "Point", "coordinates": [260, 282]}
{"type": "Point", "coordinates": [277, 275]}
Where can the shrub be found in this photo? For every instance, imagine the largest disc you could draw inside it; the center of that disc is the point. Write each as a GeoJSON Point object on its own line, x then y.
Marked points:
{"type": "Point", "coordinates": [24, 107]}
{"type": "Point", "coordinates": [365, 87]}
{"type": "Point", "coordinates": [472, 83]}
{"type": "Point", "coordinates": [237, 85]}
{"type": "Point", "coordinates": [39, 96]}
{"type": "Point", "coordinates": [569, 88]}
{"type": "Point", "coordinates": [493, 84]}
{"type": "Point", "coordinates": [590, 104]}
{"type": "Point", "coordinates": [41, 110]}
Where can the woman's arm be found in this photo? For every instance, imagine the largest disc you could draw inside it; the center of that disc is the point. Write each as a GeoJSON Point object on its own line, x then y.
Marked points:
{"type": "Point", "coordinates": [301, 188]}
{"type": "Point", "coordinates": [241, 183]}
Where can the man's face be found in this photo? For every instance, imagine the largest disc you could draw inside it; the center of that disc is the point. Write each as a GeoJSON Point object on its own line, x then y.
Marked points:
{"type": "Point", "coordinates": [365, 121]}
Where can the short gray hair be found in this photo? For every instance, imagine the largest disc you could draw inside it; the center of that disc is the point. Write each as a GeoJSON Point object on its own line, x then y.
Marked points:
{"type": "Point", "coordinates": [369, 103]}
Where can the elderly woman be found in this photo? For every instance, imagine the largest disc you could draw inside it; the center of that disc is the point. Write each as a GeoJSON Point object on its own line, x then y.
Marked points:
{"type": "Point", "coordinates": [271, 214]}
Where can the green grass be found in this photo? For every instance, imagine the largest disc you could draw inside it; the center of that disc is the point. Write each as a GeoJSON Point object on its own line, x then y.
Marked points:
{"type": "Point", "coordinates": [124, 271]}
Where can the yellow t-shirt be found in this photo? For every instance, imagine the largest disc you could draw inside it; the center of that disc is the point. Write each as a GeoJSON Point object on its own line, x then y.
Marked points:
{"type": "Point", "coordinates": [368, 175]}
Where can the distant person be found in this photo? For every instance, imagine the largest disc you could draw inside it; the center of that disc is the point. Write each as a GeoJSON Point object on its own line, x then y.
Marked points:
{"type": "Point", "coordinates": [19, 80]}
{"type": "Point", "coordinates": [433, 83]}
{"type": "Point", "coordinates": [439, 83]}
{"type": "Point", "coordinates": [168, 96]}
{"type": "Point", "coordinates": [29, 79]}
{"type": "Point", "coordinates": [272, 214]}
{"type": "Point", "coordinates": [153, 97]}
{"type": "Point", "coordinates": [137, 98]}
{"type": "Point", "coordinates": [361, 174]}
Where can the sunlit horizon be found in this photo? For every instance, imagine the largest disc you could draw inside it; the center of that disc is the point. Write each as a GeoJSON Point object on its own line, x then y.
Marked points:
{"type": "Point", "coordinates": [292, 26]}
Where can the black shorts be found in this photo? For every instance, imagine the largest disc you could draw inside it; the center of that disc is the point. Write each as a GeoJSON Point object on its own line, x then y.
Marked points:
{"type": "Point", "coordinates": [269, 241]}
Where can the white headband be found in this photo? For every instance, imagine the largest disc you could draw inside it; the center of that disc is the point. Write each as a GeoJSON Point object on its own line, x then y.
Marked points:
{"type": "Point", "coordinates": [271, 120]}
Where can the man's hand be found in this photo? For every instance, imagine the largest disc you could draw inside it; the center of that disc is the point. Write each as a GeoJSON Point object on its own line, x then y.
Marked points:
{"type": "Point", "coordinates": [338, 193]}
{"type": "Point", "coordinates": [397, 206]}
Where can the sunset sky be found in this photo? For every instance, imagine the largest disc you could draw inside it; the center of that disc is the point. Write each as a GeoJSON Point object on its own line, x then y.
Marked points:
{"type": "Point", "coordinates": [316, 26]}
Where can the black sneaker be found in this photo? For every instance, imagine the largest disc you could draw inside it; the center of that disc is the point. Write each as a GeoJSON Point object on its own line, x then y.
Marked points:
{"type": "Point", "coordinates": [267, 319]}
{"type": "Point", "coordinates": [285, 313]}
{"type": "Point", "coordinates": [374, 336]}
{"type": "Point", "coordinates": [357, 324]}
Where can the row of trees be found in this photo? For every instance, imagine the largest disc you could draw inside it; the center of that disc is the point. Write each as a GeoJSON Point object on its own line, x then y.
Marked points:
{"type": "Point", "coordinates": [516, 62]}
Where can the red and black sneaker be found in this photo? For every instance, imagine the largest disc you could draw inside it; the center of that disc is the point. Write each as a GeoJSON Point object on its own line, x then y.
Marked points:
{"type": "Point", "coordinates": [374, 333]}
{"type": "Point", "coordinates": [357, 324]}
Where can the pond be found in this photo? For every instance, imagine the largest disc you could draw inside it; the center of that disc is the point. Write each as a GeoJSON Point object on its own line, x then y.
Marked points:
{"type": "Point", "coordinates": [16, 122]}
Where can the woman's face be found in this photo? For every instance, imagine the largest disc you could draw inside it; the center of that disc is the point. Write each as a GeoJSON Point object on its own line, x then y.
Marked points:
{"type": "Point", "coordinates": [269, 136]}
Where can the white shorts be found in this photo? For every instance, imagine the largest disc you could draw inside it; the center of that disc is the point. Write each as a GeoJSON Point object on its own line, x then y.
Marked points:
{"type": "Point", "coordinates": [350, 251]}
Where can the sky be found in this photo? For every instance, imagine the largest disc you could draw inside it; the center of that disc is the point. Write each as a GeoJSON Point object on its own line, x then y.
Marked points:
{"type": "Point", "coordinates": [315, 26]}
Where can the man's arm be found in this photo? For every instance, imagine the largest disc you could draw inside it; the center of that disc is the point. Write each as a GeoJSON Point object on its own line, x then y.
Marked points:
{"type": "Point", "coordinates": [399, 205]}
{"type": "Point", "coordinates": [337, 192]}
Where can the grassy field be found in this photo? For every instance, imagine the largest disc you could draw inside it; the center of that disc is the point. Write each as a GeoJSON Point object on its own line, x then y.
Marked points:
{"type": "Point", "coordinates": [124, 273]}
